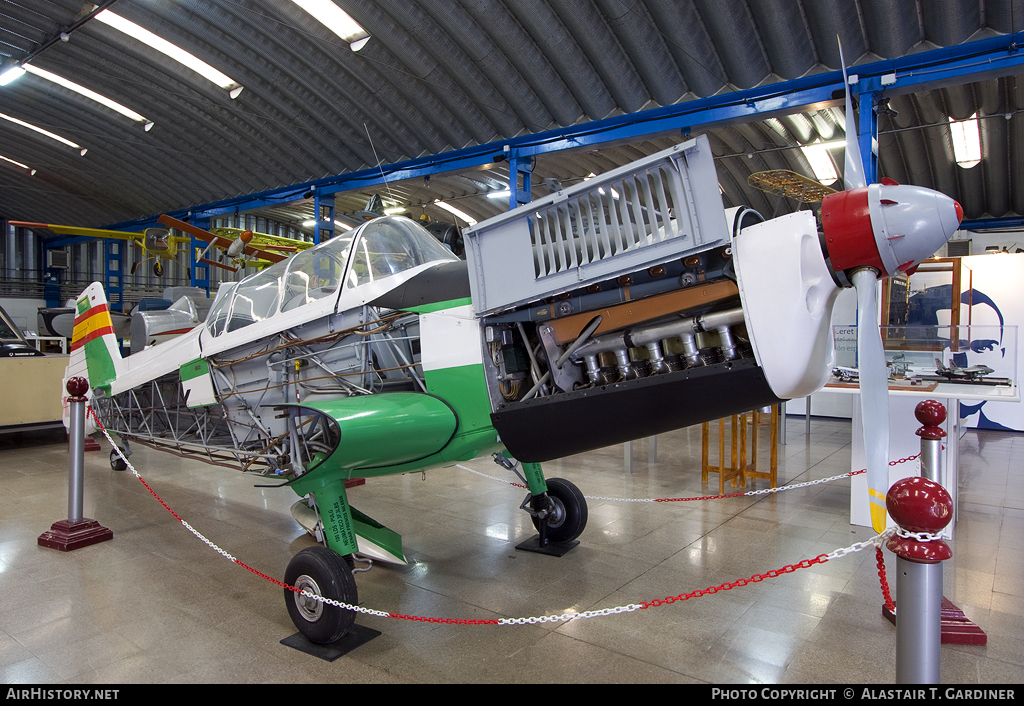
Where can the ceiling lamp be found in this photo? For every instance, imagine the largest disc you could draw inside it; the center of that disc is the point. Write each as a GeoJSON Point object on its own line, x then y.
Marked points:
{"type": "Point", "coordinates": [455, 212]}
{"type": "Point", "coordinates": [966, 141]}
{"type": "Point", "coordinates": [821, 161]}
{"type": "Point", "coordinates": [163, 46]}
{"type": "Point", "coordinates": [88, 93]}
{"type": "Point", "coordinates": [8, 159]}
{"type": "Point", "coordinates": [337, 20]}
{"type": "Point", "coordinates": [41, 131]}
{"type": "Point", "coordinates": [11, 74]}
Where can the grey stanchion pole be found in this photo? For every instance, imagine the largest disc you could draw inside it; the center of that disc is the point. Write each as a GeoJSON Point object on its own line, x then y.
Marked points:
{"type": "Point", "coordinates": [920, 505]}
{"type": "Point", "coordinates": [76, 531]}
{"type": "Point", "coordinates": [76, 461]}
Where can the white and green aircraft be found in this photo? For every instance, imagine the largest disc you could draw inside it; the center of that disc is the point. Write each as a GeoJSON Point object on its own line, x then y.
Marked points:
{"type": "Point", "coordinates": [619, 308]}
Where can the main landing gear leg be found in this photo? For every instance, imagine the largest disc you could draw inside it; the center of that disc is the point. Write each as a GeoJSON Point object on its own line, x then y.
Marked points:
{"type": "Point", "coordinates": [557, 508]}
{"type": "Point", "coordinates": [329, 630]}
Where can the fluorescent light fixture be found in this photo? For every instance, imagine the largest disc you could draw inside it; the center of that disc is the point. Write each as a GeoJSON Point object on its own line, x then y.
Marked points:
{"type": "Point", "coordinates": [966, 141]}
{"type": "Point", "coordinates": [455, 212]}
{"type": "Point", "coordinates": [40, 130]}
{"type": "Point", "coordinates": [503, 194]}
{"type": "Point", "coordinates": [148, 126]}
{"type": "Point", "coordinates": [8, 159]}
{"type": "Point", "coordinates": [395, 210]}
{"type": "Point", "coordinates": [11, 74]}
{"type": "Point", "coordinates": [337, 20]}
{"type": "Point", "coordinates": [345, 226]}
{"type": "Point", "coordinates": [820, 160]}
{"type": "Point", "coordinates": [82, 90]}
{"type": "Point", "coordinates": [164, 47]}
{"type": "Point", "coordinates": [308, 224]}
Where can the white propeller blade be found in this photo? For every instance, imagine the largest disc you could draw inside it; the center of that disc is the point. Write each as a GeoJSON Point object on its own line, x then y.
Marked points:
{"type": "Point", "coordinates": [874, 395]}
{"type": "Point", "coordinates": [853, 171]}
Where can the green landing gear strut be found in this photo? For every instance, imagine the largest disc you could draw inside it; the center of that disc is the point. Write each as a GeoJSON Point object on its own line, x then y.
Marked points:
{"type": "Point", "coordinates": [327, 631]}
{"type": "Point", "coordinates": [556, 506]}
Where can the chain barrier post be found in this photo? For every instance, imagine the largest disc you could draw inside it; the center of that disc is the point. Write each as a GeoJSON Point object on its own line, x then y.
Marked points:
{"type": "Point", "coordinates": [76, 531]}
{"type": "Point", "coordinates": [920, 505]}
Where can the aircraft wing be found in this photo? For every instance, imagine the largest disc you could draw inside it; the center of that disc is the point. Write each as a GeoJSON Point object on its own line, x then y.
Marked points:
{"type": "Point", "coordinates": [220, 241]}
{"type": "Point", "coordinates": [265, 241]}
{"type": "Point", "coordinates": [76, 230]}
{"type": "Point", "coordinates": [91, 232]}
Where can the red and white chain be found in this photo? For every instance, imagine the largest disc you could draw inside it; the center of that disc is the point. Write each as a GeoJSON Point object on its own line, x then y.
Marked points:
{"type": "Point", "coordinates": [563, 617]}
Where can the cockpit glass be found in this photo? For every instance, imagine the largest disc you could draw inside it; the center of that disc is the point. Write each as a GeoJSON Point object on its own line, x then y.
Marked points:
{"type": "Point", "coordinates": [315, 273]}
{"type": "Point", "coordinates": [303, 278]}
{"type": "Point", "coordinates": [390, 245]}
{"type": "Point", "coordinates": [256, 297]}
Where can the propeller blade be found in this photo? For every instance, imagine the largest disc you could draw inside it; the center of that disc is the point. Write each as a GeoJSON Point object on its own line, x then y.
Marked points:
{"type": "Point", "coordinates": [853, 171]}
{"type": "Point", "coordinates": [874, 395]}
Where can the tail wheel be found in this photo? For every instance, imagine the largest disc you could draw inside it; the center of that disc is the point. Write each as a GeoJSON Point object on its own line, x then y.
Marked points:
{"type": "Point", "coordinates": [116, 462]}
{"type": "Point", "coordinates": [567, 511]}
{"type": "Point", "coordinates": [320, 571]}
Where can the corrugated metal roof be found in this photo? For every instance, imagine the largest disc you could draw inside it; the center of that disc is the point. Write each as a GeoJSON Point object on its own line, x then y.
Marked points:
{"type": "Point", "coordinates": [438, 75]}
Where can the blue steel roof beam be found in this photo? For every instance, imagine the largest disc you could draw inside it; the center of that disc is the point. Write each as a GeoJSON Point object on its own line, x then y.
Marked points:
{"type": "Point", "coordinates": [993, 223]}
{"type": "Point", "coordinates": [974, 61]}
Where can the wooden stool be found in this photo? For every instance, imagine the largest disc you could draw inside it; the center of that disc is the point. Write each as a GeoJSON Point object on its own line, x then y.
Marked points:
{"type": "Point", "coordinates": [738, 470]}
{"type": "Point", "coordinates": [771, 475]}
{"type": "Point", "coordinates": [734, 471]}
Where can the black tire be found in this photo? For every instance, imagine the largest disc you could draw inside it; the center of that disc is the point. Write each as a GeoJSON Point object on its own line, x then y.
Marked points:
{"type": "Point", "coordinates": [568, 517]}
{"type": "Point", "coordinates": [116, 462]}
{"type": "Point", "coordinates": [325, 573]}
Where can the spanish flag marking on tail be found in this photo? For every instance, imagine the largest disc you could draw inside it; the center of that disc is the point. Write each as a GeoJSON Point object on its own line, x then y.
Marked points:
{"type": "Point", "coordinates": [94, 333]}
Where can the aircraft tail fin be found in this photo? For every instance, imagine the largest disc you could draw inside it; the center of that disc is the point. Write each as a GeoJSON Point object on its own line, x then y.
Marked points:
{"type": "Point", "coordinates": [94, 334]}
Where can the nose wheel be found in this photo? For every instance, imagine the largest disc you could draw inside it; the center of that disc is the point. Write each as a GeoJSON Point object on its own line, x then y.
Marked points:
{"type": "Point", "coordinates": [559, 515]}
{"type": "Point", "coordinates": [320, 572]}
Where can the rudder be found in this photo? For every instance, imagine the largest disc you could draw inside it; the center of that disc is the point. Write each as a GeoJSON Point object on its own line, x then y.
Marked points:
{"type": "Point", "coordinates": [94, 335]}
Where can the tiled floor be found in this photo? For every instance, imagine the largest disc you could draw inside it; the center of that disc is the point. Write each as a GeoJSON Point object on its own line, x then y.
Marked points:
{"type": "Point", "coordinates": [156, 605]}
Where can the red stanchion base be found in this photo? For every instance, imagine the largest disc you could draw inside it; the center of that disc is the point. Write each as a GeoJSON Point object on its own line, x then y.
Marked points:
{"type": "Point", "coordinates": [66, 535]}
{"type": "Point", "coordinates": [353, 482]}
{"type": "Point", "coordinates": [957, 629]}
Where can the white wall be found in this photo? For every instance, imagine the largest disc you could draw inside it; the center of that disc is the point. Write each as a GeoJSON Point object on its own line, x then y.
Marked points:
{"type": "Point", "coordinates": [23, 311]}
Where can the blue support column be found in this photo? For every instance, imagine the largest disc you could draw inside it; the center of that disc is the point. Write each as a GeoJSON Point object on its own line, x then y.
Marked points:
{"type": "Point", "coordinates": [113, 273]}
{"type": "Point", "coordinates": [323, 212]}
{"type": "Point", "coordinates": [200, 273]}
{"type": "Point", "coordinates": [520, 171]}
{"type": "Point", "coordinates": [867, 134]}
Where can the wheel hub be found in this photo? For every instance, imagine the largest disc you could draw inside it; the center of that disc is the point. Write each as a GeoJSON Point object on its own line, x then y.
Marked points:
{"type": "Point", "coordinates": [556, 512]}
{"type": "Point", "coordinates": [309, 608]}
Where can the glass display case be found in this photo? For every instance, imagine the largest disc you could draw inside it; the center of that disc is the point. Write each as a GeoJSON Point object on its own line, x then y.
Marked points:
{"type": "Point", "coordinates": [939, 292]}
{"type": "Point", "coordinates": [923, 357]}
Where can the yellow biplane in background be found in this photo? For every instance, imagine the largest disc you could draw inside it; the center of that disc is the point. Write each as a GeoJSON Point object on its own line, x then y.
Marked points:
{"type": "Point", "coordinates": [244, 247]}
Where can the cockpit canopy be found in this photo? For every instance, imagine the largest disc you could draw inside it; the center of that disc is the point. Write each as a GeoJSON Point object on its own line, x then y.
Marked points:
{"type": "Point", "coordinates": [383, 247]}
